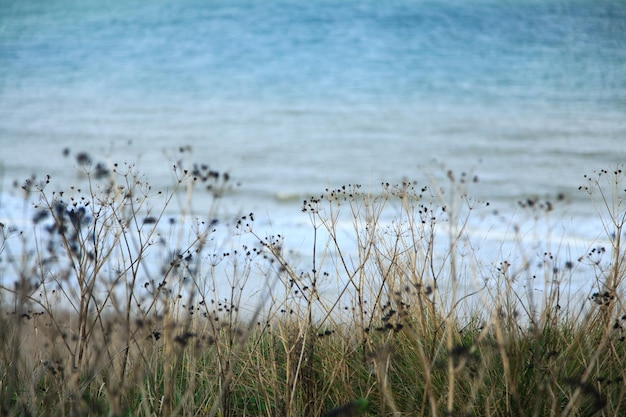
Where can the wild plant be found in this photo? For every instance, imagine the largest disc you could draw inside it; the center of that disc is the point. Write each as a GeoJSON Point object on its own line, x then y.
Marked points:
{"type": "Point", "coordinates": [105, 286]}
{"type": "Point", "coordinates": [120, 299]}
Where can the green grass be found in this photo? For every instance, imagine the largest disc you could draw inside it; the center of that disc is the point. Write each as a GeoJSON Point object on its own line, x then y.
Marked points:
{"type": "Point", "coordinates": [110, 308]}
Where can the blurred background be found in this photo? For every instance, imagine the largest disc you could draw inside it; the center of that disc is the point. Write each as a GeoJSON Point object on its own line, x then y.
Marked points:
{"type": "Point", "coordinates": [291, 97]}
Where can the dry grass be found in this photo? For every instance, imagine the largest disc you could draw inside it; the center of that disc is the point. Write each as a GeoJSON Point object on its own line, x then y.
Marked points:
{"type": "Point", "coordinates": [112, 307]}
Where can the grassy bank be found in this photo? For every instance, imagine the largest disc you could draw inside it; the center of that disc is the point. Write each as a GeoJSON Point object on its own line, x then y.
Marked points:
{"type": "Point", "coordinates": [112, 306]}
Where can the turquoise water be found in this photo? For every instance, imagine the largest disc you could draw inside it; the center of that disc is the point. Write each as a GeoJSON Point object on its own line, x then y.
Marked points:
{"type": "Point", "coordinates": [290, 97]}
{"type": "Point", "coordinates": [349, 52]}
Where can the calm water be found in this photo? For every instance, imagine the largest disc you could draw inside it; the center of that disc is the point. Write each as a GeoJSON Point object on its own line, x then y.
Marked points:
{"type": "Point", "coordinates": [290, 97]}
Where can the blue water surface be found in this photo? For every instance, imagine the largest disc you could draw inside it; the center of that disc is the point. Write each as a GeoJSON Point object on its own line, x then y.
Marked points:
{"type": "Point", "coordinates": [349, 52]}
{"type": "Point", "coordinates": [295, 96]}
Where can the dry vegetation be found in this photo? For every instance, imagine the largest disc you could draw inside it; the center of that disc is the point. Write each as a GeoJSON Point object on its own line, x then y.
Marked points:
{"type": "Point", "coordinates": [110, 306]}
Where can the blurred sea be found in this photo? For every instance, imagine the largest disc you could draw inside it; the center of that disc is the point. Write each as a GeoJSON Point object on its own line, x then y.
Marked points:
{"type": "Point", "coordinates": [291, 97]}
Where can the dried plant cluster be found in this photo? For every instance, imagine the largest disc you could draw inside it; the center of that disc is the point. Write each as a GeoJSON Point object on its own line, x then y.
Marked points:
{"type": "Point", "coordinates": [122, 300]}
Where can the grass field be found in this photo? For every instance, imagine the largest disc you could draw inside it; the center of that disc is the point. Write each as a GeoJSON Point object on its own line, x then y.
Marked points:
{"type": "Point", "coordinates": [113, 307]}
